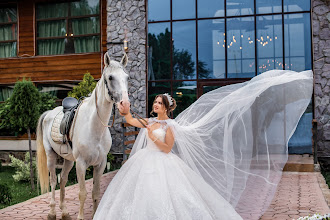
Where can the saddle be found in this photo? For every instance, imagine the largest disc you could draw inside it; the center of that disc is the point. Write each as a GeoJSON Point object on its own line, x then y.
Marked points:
{"type": "Point", "coordinates": [70, 105]}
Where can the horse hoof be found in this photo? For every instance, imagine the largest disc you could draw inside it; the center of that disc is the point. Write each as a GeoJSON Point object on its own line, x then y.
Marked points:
{"type": "Point", "coordinates": [51, 217]}
{"type": "Point", "coordinates": [66, 217]}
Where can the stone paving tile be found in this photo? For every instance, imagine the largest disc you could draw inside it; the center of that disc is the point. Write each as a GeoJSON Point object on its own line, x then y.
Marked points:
{"type": "Point", "coordinates": [298, 195]}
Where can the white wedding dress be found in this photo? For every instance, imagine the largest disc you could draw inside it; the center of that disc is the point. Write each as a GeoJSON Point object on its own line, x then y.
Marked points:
{"type": "Point", "coordinates": [156, 185]}
{"type": "Point", "coordinates": [230, 149]}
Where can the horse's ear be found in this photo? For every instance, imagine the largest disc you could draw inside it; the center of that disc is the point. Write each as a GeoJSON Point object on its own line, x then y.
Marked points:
{"type": "Point", "coordinates": [106, 59]}
{"type": "Point", "coordinates": [124, 60]}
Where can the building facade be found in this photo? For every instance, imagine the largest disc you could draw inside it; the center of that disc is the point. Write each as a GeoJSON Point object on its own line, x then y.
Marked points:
{"type": "Point", "coordinates": [195, 46]}
{"type": "Point", "coordinates": [183, 47]}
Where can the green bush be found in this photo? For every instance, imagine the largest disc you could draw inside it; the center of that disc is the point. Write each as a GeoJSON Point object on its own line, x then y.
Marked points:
{"type": "Point", "coordinates": [5, 194]}
{"type": "Point", "coordinates": [47, 102]}
{"type": "Point", "coordinates": [22, 168]}
{"type": "Point", "coordinates": [84, 88]}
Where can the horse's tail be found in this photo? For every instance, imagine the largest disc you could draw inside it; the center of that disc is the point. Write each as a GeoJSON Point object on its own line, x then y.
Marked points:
{"type": "Point", "coordinates": [43, 174]}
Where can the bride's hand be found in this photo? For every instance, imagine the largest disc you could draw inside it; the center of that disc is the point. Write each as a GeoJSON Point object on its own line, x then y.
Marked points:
{"type": "Point", "coordinates": [124, 108]}
{"type": "Point", "coordinates": [149, 131]}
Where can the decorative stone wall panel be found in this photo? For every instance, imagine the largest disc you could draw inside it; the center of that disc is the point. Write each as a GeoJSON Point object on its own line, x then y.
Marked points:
{"type": "Point", "coordinates": [128, 17]}
{"type": "Point", "coordinates": [321, 41]}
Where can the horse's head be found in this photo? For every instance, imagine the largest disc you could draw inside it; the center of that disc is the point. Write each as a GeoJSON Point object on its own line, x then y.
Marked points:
{"type": "Point", "coordinates": [116, 81]}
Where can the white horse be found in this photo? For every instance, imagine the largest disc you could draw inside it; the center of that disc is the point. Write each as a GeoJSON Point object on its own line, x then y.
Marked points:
{"type": "Point", "coordinates": [91, 139]}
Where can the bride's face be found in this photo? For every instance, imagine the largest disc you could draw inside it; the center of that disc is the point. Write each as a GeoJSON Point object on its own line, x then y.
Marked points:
{"type": "Point", "coordinates": [159, 106]}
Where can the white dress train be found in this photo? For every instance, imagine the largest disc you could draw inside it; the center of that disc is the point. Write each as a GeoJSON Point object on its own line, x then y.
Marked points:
{"type": "Point", "coordinates": [229, 152]}
{"type": "Point", "coordinates": [156, 185]}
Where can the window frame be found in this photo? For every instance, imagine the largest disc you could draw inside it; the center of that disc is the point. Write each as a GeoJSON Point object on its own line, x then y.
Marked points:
{"type": "Point", "coordinates": [67, 19]}
{"type": "Point", "coordinates": [8, 23]}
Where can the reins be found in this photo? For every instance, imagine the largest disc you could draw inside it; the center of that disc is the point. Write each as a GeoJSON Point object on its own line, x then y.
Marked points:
{"type": "Point", "coordinates": [139, 117]}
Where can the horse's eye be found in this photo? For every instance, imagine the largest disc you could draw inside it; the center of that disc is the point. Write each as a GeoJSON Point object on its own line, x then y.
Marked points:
{"type": "Point", "coordinates": [110, 77]}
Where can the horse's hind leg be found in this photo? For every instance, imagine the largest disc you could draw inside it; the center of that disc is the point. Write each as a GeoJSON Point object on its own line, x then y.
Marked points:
{"type": "Point", "coordinates": [67, 166]}
{"type": "Point", "coordinates": [97, 173]}
{"type": "Point", "coordinates": [51, 162]}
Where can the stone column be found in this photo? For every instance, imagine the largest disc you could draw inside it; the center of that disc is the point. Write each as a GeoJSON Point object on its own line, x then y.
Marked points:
{"type": "Point", "coordinates": [127, 17]}
{"type": "Point", "coordinates": [321, 42]}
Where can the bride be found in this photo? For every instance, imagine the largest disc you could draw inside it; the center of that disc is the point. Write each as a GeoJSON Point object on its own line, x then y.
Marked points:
{"type": "Point", "coordinates": [221, 158]}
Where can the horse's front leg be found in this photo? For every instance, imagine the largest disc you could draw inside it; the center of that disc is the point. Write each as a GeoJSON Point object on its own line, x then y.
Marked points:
{"type": "Point", "coordinates": [97, 173]}
{"type": "Point", "coordinates": [81, 172]}
{"type": "Point", "coordinates": [67, 166]}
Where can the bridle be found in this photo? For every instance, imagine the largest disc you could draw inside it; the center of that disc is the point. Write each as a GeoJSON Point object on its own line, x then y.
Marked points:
{"type": "Point", "coordinates": [113, 107]}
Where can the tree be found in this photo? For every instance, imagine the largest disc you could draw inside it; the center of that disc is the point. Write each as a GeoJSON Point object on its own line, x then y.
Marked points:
{"type": "Point", "coordinates": [24, 112]}
{"type": "Point", "coordinates": [84, 88]}
{"type": "Point", "coordinates": [47, 102]}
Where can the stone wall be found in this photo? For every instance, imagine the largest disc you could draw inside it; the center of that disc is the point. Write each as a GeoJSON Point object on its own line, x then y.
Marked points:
{"type": "Point", "coordinates": [321, 42]}
{"type": "Point", "coordinates": [130, 17]}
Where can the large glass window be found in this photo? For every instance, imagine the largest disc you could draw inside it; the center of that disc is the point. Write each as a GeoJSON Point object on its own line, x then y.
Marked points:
{"type": "Point", "coordinates": [240, 47]}
{"type": "Point", "coordinates": [68, 27]}
{"type": "Point", "coordinates": [297, 35]}
{"type": "Point", "coordinates": [194, 43]}
{"type": "Point", "coordinates": [269, 43]}
{"type": "Point", "coordinates": [8, 32]}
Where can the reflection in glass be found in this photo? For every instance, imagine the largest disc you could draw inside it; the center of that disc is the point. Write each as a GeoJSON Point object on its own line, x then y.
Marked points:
{"type": "Point", "coordinates": [5, 92]}
{"type": "Point", "coordinates": [183, 9]}
{"type": "Point", "coordinates": [87, 44]}
{"type": "Point", "coordinates": [59, 90]}
{"type": "Point", "coordinates": [296, 5]}
{"type": "Point", "coordinates": [89, 25]}
{"type": "Point", "coordinates": [54, 10]}
{"type": "Point", "coordinates": [297, 37]}
{"type": "Point", "coordinates": [55, 28]}
{"type": "Point", "coordinates": [159, 51]}
{"type": "Point", "coordinates": [8, 49]}
{"type": "Point", "coordinates": [211, 49]}
{"type": "Point", "coordinates": [209, 88]}
{"type": "Point", "coordinates": [50, 47]}
{"type": "Point", "coordinates": [185, 94]}
{"type": "Point", "coordinates": [184, 50]}
{"type": "Point", "coordinates": [240, 7]}
{"type": "Point", "coordinates": [268, 6]}
{"type": "Point", "coordinates": [8, 15]}
{"type": "Point", "coordinates": [85, 7]}
{"type": "Point", "coordinates": [155, 88]}
{"type": "Point", "coordinates": [216, 9]}
{"type": "Point", "coordinates": [269, 43]}
{"type": "Point", "coordinates": [158, 10]}
{"type": "Point", "coordinates": [240, 47]}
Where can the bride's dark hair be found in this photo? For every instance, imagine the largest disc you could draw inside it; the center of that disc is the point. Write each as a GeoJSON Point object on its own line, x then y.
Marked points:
{"type": "Point", "coordinates": [166, 104]}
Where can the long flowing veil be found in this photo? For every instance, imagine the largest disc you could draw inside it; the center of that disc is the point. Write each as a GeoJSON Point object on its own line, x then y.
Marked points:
{"type": "Point", "coordinates": [236, 137]}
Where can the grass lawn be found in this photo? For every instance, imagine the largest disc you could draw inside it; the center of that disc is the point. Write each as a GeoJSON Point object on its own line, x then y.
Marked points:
{"type": "Point", "coordinates": [21, 191]}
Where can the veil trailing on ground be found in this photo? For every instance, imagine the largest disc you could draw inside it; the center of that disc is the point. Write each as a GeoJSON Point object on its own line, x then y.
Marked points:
{"type": "Point", "coordinates": [236, 137]}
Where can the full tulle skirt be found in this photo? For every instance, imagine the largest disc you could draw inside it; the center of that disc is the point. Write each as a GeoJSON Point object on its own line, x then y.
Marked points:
{"type": "Point", "coordinates": [155, 185]}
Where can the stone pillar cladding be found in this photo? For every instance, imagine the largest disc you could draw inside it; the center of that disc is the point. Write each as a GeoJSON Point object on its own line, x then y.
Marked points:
{"type": "Point", "coordinates": [321, 43]}
{"type": "Point", "coordinates": [127, 17]}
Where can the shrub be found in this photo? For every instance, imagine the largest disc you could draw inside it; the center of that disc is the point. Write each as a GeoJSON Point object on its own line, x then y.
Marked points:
{"type": "Point", "coordinates": [85, 87]}
{"type": "Point", "coordinates": [5, 194]}
{"type": "Point", "coordinates": [22, 167]}
{"type": "Point", "coordinates": [47, 102]}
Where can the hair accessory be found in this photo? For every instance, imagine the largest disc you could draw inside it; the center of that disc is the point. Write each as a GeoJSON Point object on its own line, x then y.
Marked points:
{"type": "Point", "coordinates": [169, 98]}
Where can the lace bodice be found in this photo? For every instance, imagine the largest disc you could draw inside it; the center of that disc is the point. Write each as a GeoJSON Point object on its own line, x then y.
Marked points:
{"type": "Point", "coordinates": [158, 132]}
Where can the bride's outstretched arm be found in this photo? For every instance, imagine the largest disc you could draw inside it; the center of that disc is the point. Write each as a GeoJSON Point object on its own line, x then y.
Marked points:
{"type": "Point", "coordinates": [129, 118]}
{"type": "Point", "coordinates": [133, 121]}
{"type": "Point", "coordinates": [166, 146]}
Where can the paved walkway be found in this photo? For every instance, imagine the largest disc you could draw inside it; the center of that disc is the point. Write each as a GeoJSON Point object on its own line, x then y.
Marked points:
{"type": "Point", "coordinates": [299, 194]}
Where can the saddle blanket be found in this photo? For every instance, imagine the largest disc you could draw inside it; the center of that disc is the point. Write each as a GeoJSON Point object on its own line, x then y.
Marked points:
{"type": "Point", "coordinates": [55, 131]}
